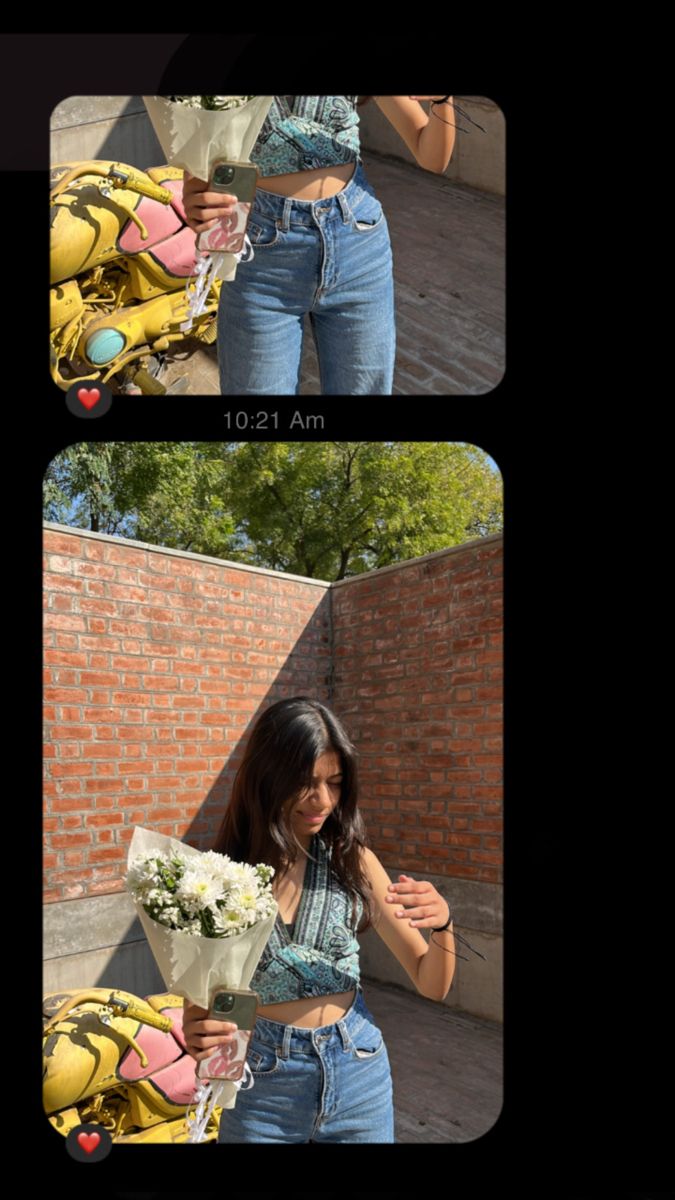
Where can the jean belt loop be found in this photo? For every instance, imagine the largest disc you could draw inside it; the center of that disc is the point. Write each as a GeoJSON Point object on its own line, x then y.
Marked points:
{"type": "Point", "coordinates": [284, 1049]}
{"type": "Point", "coordinates": [344, 1034]}
{"type": "Point", "coordinates": [284, 221]}
{"type": "Point", "coordinates": [344, 205]}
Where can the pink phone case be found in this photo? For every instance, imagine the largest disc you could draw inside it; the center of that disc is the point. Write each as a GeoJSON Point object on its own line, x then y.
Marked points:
{"type": "Point", "coordinates": [229, 234]}
{"type": "Point", "coordinates": [227, 1061]}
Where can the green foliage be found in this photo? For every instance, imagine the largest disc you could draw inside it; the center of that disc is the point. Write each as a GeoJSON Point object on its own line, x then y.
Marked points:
{"type": "Point", "coordinates": [166, 493]}
{"type": "Point", "coordinates": [332, 509]}
{"type": "Point", "coordinates": [325, 510]}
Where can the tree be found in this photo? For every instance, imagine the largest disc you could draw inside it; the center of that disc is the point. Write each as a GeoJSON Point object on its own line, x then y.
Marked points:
{"type": "Point", "coordinates": [168, 493]}
{"type": "Point", "coordinates": [78, 488]}
{"type": "Point", "coordinates": [320, 509]}
{"type": "Point", "coordinates": [332, 509]}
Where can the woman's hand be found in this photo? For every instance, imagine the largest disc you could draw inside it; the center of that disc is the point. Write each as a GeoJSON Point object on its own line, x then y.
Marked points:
{"type": "Point", "coordinates": [199, 1034]}
{"type": "Point", "coordinates": [423, 903]}
{"type": "Point", "coordinates": [204, 209]}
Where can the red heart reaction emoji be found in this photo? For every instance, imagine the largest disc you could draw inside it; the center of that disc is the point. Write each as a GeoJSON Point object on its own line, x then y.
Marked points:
{"type": "Point", "coordinates": [89, 397]}
{"type": "Point", "coordinates": [88, 1141]}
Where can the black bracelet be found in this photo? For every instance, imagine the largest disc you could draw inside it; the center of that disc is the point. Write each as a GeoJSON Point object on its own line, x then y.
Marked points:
{"type": "Point", "coordinates": [458, 938]}
{"type": "Point", "coordinates": [443, 101]}
{"type": "Point", "coordinates": [443, 927]}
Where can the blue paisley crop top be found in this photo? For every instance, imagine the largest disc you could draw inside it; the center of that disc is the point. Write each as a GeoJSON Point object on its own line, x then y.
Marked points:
{"type": "Point", "coordinates": [303, 133]}
{"type": "Point", "coordinates": [322, 955]}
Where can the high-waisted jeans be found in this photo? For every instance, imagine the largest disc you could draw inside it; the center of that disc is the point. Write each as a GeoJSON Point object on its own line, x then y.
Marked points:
{"type": "Point", "coordinates": [331, 1084]}
{"type": "Point", "coordinates": [331, 258]}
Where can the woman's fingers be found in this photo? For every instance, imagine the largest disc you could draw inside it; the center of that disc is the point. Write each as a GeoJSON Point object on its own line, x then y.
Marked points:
{"type": "Point", "coordinates": [203, 212]}
{"type": "Point", "coordinates": [205, 1046]}
{"type": "Point", "coordinates": [203, 209]}
{"type": "Point", "coordinates": [208, 212]}
{"type": "Point", "coordinates": [202, 1036]}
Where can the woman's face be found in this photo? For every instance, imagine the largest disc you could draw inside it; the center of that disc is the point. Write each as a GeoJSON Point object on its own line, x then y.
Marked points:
{"type": "Point", "coordinates": [308, 812]}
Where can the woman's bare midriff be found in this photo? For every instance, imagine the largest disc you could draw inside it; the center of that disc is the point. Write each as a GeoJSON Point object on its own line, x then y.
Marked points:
{"type": "Point", "coordinates": [310, 1013]}
{"type": "Point", "coordinates": [309, 185]}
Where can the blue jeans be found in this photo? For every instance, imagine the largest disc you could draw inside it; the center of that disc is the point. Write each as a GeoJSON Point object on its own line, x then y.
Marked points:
{"type": "Point", "coordinates": [331, 1084]}
{"type": "Point", "coordinates": [330, 258]}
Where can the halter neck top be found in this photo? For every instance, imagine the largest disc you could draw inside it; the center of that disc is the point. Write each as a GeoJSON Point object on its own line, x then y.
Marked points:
{"type": "Point", "coordinates": [303, 133]}
{"type": "Point", "coordinates": [322, 955]}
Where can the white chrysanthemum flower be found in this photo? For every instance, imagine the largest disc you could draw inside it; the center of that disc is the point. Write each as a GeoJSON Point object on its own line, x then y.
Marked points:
{"type": "Point", "coordinates": [233, 917]}
{"type": "Point", "coordinates": [198, 889]}
{"type": "Point", "coordinates": [142, 874]}
{"type": "Point", "coordinates": [243, 874]}
{"type": "Point", "coordinates": [211, 860]}
{"type": "Point", "coordinates": [244, 899]}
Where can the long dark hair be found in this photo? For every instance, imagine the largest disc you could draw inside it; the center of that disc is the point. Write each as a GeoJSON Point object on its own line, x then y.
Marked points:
{"type": "Point", "coordinates": [277, 765]}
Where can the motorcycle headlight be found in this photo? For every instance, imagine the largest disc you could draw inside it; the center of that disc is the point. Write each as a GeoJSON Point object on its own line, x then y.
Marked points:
{"type": "Point", "coordinates": [103, 346]}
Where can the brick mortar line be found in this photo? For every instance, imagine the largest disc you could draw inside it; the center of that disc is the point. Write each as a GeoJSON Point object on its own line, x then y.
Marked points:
{"type": "Point", "coordinates": [227, 564]}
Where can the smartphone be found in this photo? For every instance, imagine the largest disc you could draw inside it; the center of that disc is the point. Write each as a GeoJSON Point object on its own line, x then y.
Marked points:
{"type": "Point", "coordinates": [238, 179]}
{"type": "Point", "coordinates": [238, 1005]}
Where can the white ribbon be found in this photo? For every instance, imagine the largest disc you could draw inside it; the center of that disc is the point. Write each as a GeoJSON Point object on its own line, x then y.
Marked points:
{"type": "Point", "coordinates": [207, 269]}
{"type": "Point", "coordinates": [206, 1098]}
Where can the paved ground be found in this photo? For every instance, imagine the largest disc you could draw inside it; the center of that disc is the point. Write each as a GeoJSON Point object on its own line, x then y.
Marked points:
{"type": "Point", "coordinates": [448, 245]}
{"type": "Point", "coordinates": [446, 1066]}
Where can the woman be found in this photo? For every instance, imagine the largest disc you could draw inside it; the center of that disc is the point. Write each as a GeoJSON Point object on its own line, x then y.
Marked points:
{"type": "Point", "coordinates": [320, 1066]}
{"type": "Point", "coordinates": [321, 246]}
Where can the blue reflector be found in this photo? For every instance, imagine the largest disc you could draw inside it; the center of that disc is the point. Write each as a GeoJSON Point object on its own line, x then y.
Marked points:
{"type": "Point", "coordinates": [103, 346]}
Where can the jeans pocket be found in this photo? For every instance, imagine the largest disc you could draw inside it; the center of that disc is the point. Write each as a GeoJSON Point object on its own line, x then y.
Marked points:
{"type": "Point", "coordinates": [263, 1059]}
{"type": "Point", "coordinates": [367, 214]}
{"type": "Point", "coordinates": [263, 232]}
{"type": "Point", "coordinates": [368, 1042]}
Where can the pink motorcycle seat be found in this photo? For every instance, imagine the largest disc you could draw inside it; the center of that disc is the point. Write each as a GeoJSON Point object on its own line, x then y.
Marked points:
{"type": "Point", "coordinates": [170, 1068]}
{"type": "Point", "coordinates": [175, 186]}
{"type": "Point", "coordinates": [170, 241]}
{"type": "Point", "coordinates": [177, 1082]}
{"type": "Point", "coordinates": [175, 1016]}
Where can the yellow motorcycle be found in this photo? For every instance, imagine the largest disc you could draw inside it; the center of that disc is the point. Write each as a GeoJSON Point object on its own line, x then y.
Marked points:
{"type": "Point", "coordinates": [121, 255]}
{"type": "Point", "coordinates": [112, 1059]}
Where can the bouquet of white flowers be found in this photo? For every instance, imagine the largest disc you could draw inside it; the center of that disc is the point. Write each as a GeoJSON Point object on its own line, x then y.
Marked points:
{"type": "Point", "coordinates": [207, 920]}
{"type": "Point", "coordinates": [194, 132]}
{"type": "Point", "coordinates": [211, 103]}
{"type": "Point", "coordinates": [208, 897]}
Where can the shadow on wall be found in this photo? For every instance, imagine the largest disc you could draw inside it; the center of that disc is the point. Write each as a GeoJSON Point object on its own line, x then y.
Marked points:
{"type": "Point", "coordinates": [102, 929]}
{"type": "Point", "coordinates": [104, 127]}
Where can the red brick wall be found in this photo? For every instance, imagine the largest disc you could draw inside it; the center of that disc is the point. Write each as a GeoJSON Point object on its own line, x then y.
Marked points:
{"type": "Point", "coordinates": [155, 665]}
{"type": "Point", "coordinates": [417, 681]}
